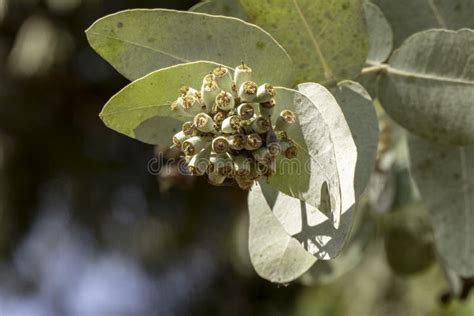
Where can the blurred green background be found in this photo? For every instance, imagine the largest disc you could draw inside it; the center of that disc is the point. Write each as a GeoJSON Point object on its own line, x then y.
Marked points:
{"type": "Point", "coordinates": [85, 229]}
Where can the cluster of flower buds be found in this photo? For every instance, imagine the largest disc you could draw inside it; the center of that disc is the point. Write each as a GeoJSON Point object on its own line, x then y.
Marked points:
{"type": "Point", "coordinates": [232, 138]}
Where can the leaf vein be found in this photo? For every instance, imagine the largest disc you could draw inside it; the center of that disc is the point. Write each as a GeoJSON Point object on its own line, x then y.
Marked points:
{"type": "Point", "coordinates": [327, 70]}
{"type": "Point", "coordinates": [141, 46]}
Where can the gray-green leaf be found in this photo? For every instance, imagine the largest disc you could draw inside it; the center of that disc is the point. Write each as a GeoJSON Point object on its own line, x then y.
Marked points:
{"type": "Point", "coordinates": [428, 87]}
{"type": "Point", "coordinates": [380, 34]}
{"type": "Point", "coordinates": [303, 221]}
{"type": "Point", "coordinates": [444, 175]}
{"type": "Point", "coordinates": [360, 115]}
{"type": "Point", "coordinates": [410, 16]}
{"type": "Point", "coordinates": [312, 176]}
{"type": "Point", "coordinates": [362, 232]}
{"type": "Point", "coordinates": [275, 255]}
{"type": "Point", "coordinates": [326, 39]}
{"type": "Point", "coordinates": [137, 42]}
{"type": "Point", "coordinates": [408, 239]}
{"type": "Point", "coordinates": [142, 110]}
{"type": "Point", "coordinates": [221, 7]}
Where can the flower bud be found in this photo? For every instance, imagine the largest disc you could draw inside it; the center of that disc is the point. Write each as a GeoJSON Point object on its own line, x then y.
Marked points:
{"type": "Point", "coordinates": [204, 123]}
{"type": "Point", "coordinates": [246, 126]}
{"type": "Point", "coordinates": [265, 93]}
{"type": "Point", "coordinates": [245, 111]}
{"type": "Point", "coordinates": [195, 144]}
{"type": "Point", "coordinates": [220, 145]}
{"type": "Point", "coordinates": [179, 138]}
{"type": "Point", "coordinates": [285, 119]}
{"type": "Point", "coordinates": [260, 169]}
{"type": "Point", "coordinates": [223, 78]}
{"type": "Point", "coordinates": [244, 182]}
{"type": "Point", "coordinates": [219, 117]}
{"type": "Point", "coordinates": [270, 168]}
{"type": "Point", "coordinates": [225, 101]}
{"type": "Point", "coordinates": [237, 141]}
{"type": "Point", "coordinates": [262, 155]}
{"type": "Point", "coordinates": [273, 149]}
{"type": "Point", "coordinates": [208, 78]}
{"type": "Point", "coordinates": [209, 93]}
{"type": "Point", "coordinates": [242, 165]}
{"type": "Point", "coordinates": [231, 124]}
{"type": "Point", "coordinates": [199, 163]}
{"type": "Point", "coordinates": [188, 128]}
{"type": "Point", "coordinates": [265, 168]}
{"type": "Point", "coordinates": [248, 91]}
{"type": "Point", "coordinates": [260, 125]}
{"type": "Point", "coordinates": [222, 163]}
{"type": "Point", "coordinates": [188, 105]}
{"type": "Point", "coordinates": [253, 142]}
{"type": "Point", "coordinates": [215, 178]}
{"type": "Point", "coordinates": [185, 90]}
{"type": "Point", "coordinates": [288, 150]}
{"type": "Point", "coordinates": [242, 73]}
{"type": "Point", "coordinates": [266, 108]}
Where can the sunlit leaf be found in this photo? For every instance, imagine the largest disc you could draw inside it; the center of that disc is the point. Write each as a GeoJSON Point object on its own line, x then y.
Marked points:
{"type": "Point", "coordinates": [327, 40]}
{"type": "Point", "coordinates": [362, 232]}
{"type": "Point", "coordinates": [360, 115]}
{"type": "Point", "coordinates": [380, 34]}
{"type": "Point", "coordinates": [410, 16]}
{"type": "Point", "coordinates": [137, 42]}
{"type": "Point", "coordinates": [220, 7]}
{"type": "Point", "coordinates": [428, 87]}
{"type": "Point", "coordinates": [275, 255]}
{"type": "Point", "coordinates": [445, 177]}
{"type": "Point", "coordinates": [305, 222]}
{"type": "Point", "coordinates": [312, 176]}
{"type": "Point", "coordinates": [142, 110]}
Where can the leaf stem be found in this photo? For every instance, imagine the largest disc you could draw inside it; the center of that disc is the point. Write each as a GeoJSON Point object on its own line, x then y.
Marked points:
{"type": "Point", "coordinates": [374, 69]}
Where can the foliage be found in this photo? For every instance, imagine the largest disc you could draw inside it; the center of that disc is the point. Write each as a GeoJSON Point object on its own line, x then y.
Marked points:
{"type": "Point", "coordinates": [298, 219]}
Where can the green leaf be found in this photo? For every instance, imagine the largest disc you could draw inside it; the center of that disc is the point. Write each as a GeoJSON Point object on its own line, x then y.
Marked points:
{"type": "Point", "coordinates": [312, 176]}
{"type": "Point", "coordinates": [380, 34]}
{"type": "Point", "coordinates": [444, 175]}
{"type": "Point", "coordinates": [137, 42]}
{"type": "Point", "coordinates": [341, 138]}
{"type": "Point", "coordinates": [408, 239]}
{"type": "Point", "coordinates": [302, 220]}
{"type": "Point", "coordinates": [360, 115]}
{"type": "Point", "coordinates": [408, 16]}
{"type": "Point", "coordinates": [327, 40]}
{"type": "Point", "coordinates": [362, 233]}
{"type": "Point", "coordinates": [221, 7]}
{"type": "Point", "coordinates": [142, 110]}
{"type": "Point", "coordinates": [275, 255]}
{"type": "Point", "coordinates": [353, 127]}
{"type": "Point", "coordinates": [428, 87]}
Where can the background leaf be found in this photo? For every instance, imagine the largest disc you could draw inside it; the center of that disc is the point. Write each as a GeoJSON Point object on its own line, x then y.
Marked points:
{"type": "Point", "coordinates": [314, 168]}
{"type": "Point", "coordinates": [275, 255]}
{"type": "Point", "coordinates": [444, 175]}
{"type": "Point", "coordinates": [408, 16]}
{"type": "Point", "coordinates": [380, 34]}
{"type": "Point", "coordinates": [408, 239]}
{"type": "Point", "coordinates": [137, 42]}
{"type": "Point", "coordinates": [429, 86]}
{"type": "Point", "coordinates": [142, 110]}
{"type": "Point", "coordinates": [221, 7]}
{"type": "Point", "coordinates": [327, 40]}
